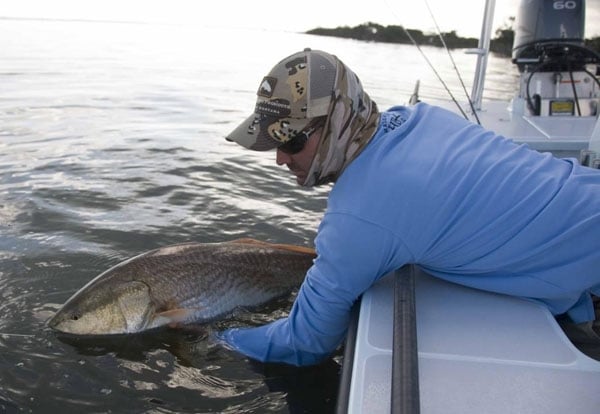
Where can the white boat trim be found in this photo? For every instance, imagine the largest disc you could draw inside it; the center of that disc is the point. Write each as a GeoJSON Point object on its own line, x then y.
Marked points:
{"type": "Point", "coordinates": [482, 54]}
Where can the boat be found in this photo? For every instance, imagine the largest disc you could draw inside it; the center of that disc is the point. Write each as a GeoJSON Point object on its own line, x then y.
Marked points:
{"type": "Point", "coordinates": [420, 344]}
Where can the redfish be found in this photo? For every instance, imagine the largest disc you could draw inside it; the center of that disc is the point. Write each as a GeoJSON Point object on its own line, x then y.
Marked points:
{"type": "Point", "coordinates": [184, 283]}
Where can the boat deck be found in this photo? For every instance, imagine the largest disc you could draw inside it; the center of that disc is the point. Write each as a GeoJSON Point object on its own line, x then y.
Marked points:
{"type": "Point", "coordinates": [478, 352]}
{"type": "Point", "coordinates": [563, 136]}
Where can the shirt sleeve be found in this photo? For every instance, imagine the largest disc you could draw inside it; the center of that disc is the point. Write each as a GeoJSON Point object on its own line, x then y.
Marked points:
{"type": "Point", "coordinates": [352, 255]}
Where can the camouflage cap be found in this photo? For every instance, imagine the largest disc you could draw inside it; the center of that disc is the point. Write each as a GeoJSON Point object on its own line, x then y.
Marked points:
{"type": "Point", "coordinates": [296, 90]}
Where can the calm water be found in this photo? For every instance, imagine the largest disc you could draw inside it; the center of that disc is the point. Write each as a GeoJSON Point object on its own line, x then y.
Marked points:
{"type": "Point", "coordinates": [111, 144]}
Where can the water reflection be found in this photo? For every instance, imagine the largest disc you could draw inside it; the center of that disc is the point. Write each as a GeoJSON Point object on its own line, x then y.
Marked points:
{"type": "Point", "coordinates": [187, 362]}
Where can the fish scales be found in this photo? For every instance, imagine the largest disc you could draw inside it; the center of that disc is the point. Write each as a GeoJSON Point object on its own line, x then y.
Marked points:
{"type": "Point", "coordinates": [183, 283]}
{"type": "Point", "coordinates": [204, 272]}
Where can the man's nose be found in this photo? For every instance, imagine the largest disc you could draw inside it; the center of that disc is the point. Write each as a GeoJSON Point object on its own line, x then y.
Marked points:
{"type": "Point", "coordinates": [282, 158]}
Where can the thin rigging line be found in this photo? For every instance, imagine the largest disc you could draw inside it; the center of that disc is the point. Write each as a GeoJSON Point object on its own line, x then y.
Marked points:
{"type": "Point", "coordinates": [453, 62]}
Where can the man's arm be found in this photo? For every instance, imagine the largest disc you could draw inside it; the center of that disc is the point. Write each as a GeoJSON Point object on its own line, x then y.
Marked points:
{"type": "Point", "coordinates": [352, 255]}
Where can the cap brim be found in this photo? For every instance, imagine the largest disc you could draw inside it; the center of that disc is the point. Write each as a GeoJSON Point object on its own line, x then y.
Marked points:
{"type": "Point", "coordinates": [248, 135]}
{"type": "Point", "coordinates": [253, 132]}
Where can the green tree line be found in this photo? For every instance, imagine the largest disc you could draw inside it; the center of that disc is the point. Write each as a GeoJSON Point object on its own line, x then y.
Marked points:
{"type": "Point", "coordinates": [502, 43]}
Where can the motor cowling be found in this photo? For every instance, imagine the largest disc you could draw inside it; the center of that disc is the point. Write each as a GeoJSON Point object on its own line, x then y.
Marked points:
{"type": "Point", "coordinates": [557, 73]}
{"type": "Point", "coordinates": [551, 32]}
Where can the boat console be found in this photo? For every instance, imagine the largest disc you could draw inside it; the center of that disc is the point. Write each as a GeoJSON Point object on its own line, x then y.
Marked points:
{"type": "Point", "coordinates": [558, 72]}
{"type": "Point", "coordinates": [556, 105]}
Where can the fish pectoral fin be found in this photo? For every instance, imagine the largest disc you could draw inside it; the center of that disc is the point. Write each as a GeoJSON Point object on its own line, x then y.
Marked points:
{"type": "Point", "coordinates": [173, 317]}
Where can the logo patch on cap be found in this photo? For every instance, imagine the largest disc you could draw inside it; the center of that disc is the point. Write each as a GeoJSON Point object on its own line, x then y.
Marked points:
{"type": "Point", "coordinates": [267, 87]}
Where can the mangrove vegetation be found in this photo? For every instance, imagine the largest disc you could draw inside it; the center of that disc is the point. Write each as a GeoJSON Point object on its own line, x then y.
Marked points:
{"type": "Point", "coordinates": [372, 32]}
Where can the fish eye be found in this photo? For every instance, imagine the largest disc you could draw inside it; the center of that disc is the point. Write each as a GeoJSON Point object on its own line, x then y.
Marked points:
{"type": "Point", "coordinates": [75, 317]}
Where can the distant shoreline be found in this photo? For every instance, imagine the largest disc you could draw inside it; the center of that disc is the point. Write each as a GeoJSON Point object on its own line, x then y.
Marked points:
{"type": "Point", "coordinates": [373, 32]}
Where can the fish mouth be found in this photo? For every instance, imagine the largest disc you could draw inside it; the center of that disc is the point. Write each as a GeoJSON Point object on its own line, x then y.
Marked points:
{"type": "Point", "coordinates": [51, 323]}
{"type": "Point", "coordinates": [55, 320]}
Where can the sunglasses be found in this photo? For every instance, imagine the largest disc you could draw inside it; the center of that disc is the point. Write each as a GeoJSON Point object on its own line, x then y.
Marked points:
{"type": "Point", "coordinates": [298, 141]}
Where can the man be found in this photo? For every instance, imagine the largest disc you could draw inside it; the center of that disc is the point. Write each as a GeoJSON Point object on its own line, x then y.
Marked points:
{"type": "Point", "coordinates": [415, 185]}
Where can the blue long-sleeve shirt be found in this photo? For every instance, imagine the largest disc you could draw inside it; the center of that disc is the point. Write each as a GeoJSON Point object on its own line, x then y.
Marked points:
{"type": "Point", "coordinates": [464, 204]}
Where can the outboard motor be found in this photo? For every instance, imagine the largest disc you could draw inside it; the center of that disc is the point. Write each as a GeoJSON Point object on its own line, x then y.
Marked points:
{"type": "Point", "coordinates": [558, 72]}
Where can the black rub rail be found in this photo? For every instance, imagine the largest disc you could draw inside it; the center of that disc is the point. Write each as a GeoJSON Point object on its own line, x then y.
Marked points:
{"type": "Point", "coordinates": [405, 357]}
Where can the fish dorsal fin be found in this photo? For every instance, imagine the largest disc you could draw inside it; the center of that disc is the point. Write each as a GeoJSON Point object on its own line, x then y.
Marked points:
{"type": "Point", "coordinates": [288, 247]}
{"type": "Point", "coordinates": [296, 249]}
{"type": "Point", "coordinates": [248, 240]}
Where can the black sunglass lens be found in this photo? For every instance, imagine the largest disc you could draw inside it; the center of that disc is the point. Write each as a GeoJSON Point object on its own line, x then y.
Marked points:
{"type": "Point", "coordinates": [295, 145]}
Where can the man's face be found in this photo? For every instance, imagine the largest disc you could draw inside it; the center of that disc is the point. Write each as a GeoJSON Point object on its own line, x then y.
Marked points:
{"type": "Point", "coordinates": [299, 163]}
